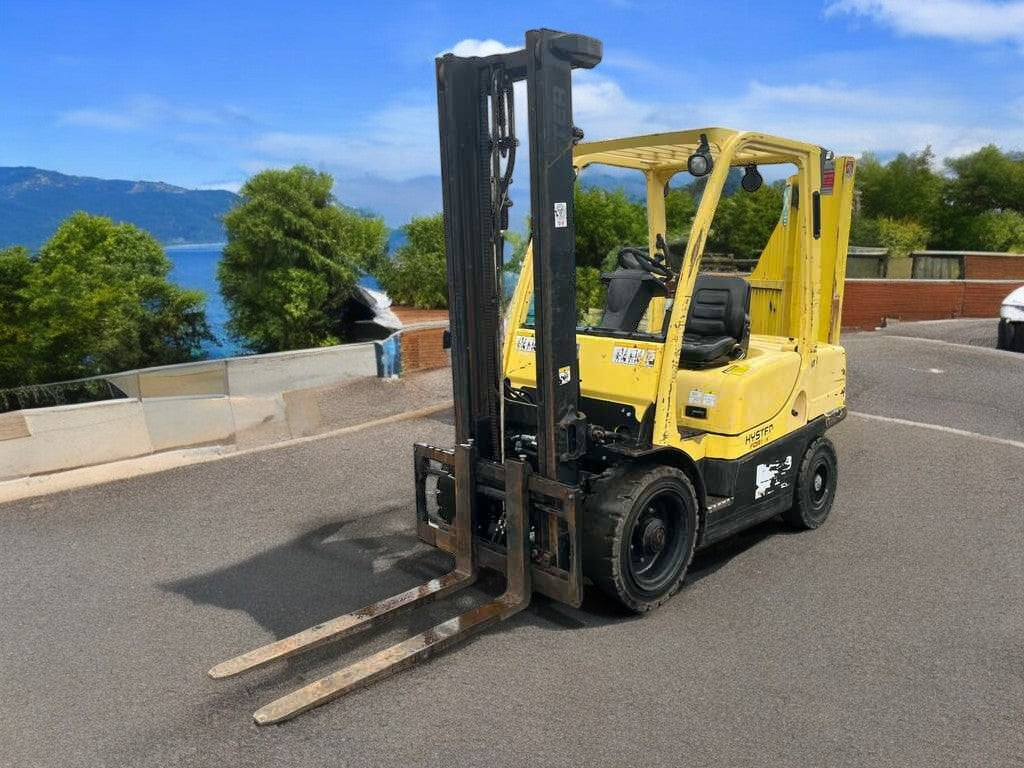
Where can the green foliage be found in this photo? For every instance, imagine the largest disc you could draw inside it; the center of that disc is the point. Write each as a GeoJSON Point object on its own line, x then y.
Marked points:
{"type": "Point", "coordinates": [865, 231]}
{"type": "Point", "coordinates": [904, 188]}
{"type": "Point", "coordinates": [901, 236]}
{"type": "Point", "coordinates": [680, 208]}
{"type": "Point", "coordinates": [744, 222]}
{"type": "Point", "coordinates": [517, 242]}
{"type": "Point", "coordinates": [605, 222]}
{"type": "Point", "coordinates": [997, 231]}
{"type": "Point", "coordinates": [418, 274]}
{"type": "Point", "coordinates": [987, 180]}
{"type": "Point", "coordinates": [15, 270]}
{"type": "Point", "coordinates": [292, 259]}
{"type": "Point", "coordinates": [590, 291]}
{"type": "Point", "coordinates": [96, 300]}
{"type": "Point", "coordinates": [978, 207]}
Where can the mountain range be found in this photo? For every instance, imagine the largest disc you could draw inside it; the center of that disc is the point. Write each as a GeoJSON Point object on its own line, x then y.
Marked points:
{"type": "Point", "coordinates": [33, 203]}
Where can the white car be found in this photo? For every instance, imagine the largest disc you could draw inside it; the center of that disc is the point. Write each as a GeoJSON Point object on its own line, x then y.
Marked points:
{"type": "Point", "coordinates": [1011, 322]}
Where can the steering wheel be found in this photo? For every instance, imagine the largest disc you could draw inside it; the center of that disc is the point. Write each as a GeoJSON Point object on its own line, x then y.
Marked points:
{"type": "Point", "coordinates": [631, 258]}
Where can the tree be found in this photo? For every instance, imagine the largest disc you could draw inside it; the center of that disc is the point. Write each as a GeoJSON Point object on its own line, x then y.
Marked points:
{"type": "Point", "coordinates": [680, 208]}
{"type": "Point", "coordinates": [15, 268]}
{"type": "Point", "coordinates": [418, 275]}
{"type": "Point", "coordinates": [292, 260]}
{"type": "Point", "coordinates": [997, 231]}
{"type": "Point", "coordinates": [904, 188]}
{"type": "Point", "coordinates": [987, 180]}
{"type": "Point", "coordinates": [605, 222]}
{"type": "Point", "coordinates": [744, 221]}
{"type": "Point", "coordinates": [901, 237]}
{"type": "Point", "coordinates": [985, 201]}
{"type": "Point", "coordinates": [96, 300]}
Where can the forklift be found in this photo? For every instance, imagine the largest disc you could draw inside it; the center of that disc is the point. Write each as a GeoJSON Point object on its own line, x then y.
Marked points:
{"type": "Point", "coordinates": [607, 454]}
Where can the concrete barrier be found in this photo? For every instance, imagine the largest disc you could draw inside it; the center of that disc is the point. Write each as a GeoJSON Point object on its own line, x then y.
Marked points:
{"type": "Point", "coordinates": [69, 436]}
{"type": "Point", "coordinates": [244, 401]}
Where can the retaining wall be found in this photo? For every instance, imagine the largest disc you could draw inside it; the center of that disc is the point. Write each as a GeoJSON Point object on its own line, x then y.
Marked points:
{"type": "Point", "coordinates": [867, 303]}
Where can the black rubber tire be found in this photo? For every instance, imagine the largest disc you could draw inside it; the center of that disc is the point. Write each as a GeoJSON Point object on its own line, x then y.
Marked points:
{"type": "Point", "coordinates": [1004, 338]}
{"type": "Point", "coordinates": [653, 496]}
{"type": "Point", "coordinates": [815, 486]}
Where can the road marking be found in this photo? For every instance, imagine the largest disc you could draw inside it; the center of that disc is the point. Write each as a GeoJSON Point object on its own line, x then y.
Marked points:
{"type": "Point", "coordinates": [939, 428]}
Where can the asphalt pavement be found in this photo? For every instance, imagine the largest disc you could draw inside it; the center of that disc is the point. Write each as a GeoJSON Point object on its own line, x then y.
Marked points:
{"type": "Point", "coordinates": [891, 636]}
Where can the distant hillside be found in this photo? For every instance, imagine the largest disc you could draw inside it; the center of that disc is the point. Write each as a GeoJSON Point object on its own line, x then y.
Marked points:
{"type": "Point", "coordinates": [34, 202]}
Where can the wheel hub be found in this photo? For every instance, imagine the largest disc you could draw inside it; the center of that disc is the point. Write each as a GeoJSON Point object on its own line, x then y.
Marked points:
{"type": "Point", "coordinates": [654, 537]}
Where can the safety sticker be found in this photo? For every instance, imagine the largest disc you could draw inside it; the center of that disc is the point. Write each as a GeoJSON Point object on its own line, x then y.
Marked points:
{"type": "Point", "coordinates": [828, 177]}
{"type": "Point", "coordinates": [628, 355]}
{"type": "Point", "coordinates": [564, 374]}
{"type": "Point", "coordinates": [526, 343]}
{"type": "Point", "coordinates": [696, 397]}
{"type": "Point", "coordinates": [709, 400]}
{"type": "Point", "coordinates": [561, 216]}
{"type": "Point", "coordinates": [771, 478]}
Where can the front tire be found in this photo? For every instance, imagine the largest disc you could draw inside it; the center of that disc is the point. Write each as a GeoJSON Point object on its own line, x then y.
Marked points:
{"type": "Point", "coordinates": [639, 535]}
{"type": "Point", "coordinates": [815, 486]}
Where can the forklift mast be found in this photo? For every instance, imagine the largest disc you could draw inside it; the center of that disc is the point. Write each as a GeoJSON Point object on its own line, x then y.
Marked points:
{"type": "Point", "coordinates": [495, 510]}
{"type": "Point", "coordinates": [476, 115]}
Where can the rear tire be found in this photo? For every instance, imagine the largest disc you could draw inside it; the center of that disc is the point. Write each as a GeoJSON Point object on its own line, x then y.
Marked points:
{"type": "Point", "coordinates": [1005, 335]}
{"type": "Point", "coordinates": [639, 534]}
{"type": "Point", "coordinates": [1011, 336]}
{"type": "Point", "coordinates": [815, 486]}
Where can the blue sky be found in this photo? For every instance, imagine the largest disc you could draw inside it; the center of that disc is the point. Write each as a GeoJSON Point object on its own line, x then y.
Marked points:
{"type": "Point", "coordinates": [204, 94]}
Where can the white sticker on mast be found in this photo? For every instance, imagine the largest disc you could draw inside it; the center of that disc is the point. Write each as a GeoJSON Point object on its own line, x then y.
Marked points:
{"type": "Point", "coordinates": [561, 216]}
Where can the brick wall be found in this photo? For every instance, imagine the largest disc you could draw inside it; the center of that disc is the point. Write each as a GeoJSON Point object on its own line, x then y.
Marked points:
{"type": "Point", "coordinates": [994, 267]}
{"type": "Point", "coordinates": [867, 303]}
{"type": "Point", "coordinates": [422, 350]}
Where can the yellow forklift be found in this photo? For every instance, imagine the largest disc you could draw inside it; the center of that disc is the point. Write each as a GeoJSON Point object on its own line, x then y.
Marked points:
{"type": "Point", "coordinates": [693, 406]}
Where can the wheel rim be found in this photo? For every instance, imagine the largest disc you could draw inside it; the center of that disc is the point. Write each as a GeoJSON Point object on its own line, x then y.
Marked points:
{"type": "Point", "coordinates": [657, 543]}
{"type": "Point", "coordinates": [820, 484]}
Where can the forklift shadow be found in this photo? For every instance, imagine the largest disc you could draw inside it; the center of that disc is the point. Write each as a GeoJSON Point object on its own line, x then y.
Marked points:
{"type": "Point", "coordinates": [707, 561]}
{"type": "Point", "coordinates": [321, 574]}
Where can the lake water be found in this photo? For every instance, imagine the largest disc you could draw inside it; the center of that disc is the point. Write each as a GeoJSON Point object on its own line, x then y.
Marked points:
{"type": "Point", "coordinates": [195, 266]}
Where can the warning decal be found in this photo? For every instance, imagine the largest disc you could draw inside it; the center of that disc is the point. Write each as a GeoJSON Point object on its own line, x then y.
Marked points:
{"type": "Point", "coordinates": [561, 216]}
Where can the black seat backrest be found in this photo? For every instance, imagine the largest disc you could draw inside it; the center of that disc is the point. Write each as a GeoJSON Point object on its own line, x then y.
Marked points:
{"type": "Point", "coordinates": [720, 307]}
{"type": "Point", "coordinates": [629, 293]}
{"type": "Point", "coordinates": [718, 323]}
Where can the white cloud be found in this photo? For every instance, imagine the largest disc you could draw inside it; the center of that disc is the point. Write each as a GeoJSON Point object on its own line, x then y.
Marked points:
{"type": "Point", "coordinates": [399, 142]}
{"type": "Point", "coordinates": [852, 120]}
{"type": "Point", "coordinates": [977, 21]}
{"type": "Point", "coordinates": [142, 112]}
{"type": "Point", "coordinates": [473, 47]}
{"type": "Point", "coordinates": [230, 185]}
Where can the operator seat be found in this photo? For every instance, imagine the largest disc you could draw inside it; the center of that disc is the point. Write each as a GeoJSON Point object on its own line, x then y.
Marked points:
{"type": "Point", "coordinates": [718, 323]}
{"type": "Point", "coordinates": [629, 293]}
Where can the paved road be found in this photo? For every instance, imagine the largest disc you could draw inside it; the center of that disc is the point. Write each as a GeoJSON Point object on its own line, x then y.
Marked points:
{"type": "Point", "coordinates": [963, 387]}
{"type": "Point", "coordinates": [978, 332]}
{"type": "Point", "coordinates": [892, 636]}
